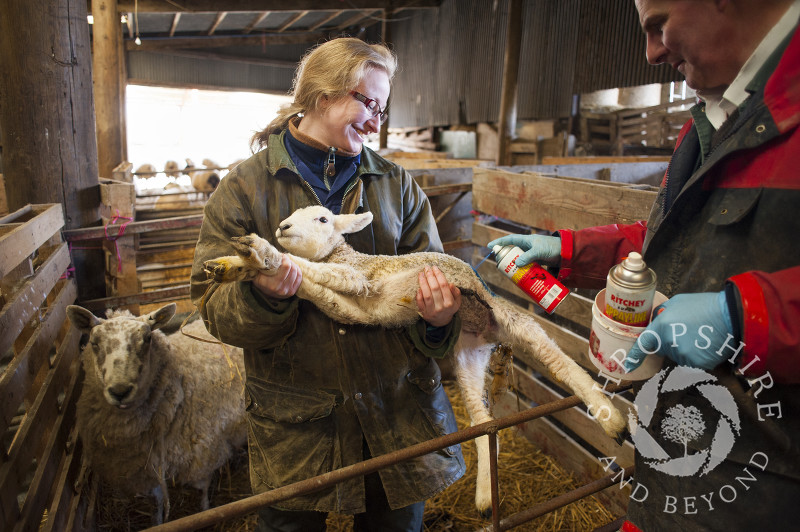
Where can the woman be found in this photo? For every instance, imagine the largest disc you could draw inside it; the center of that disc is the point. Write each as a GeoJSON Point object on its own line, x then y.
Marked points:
{"type": "Point", "coordinates": [323, 395]}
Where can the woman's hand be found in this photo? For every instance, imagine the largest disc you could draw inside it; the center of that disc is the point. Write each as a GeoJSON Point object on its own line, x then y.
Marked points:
{"type": "Point", "coordinates": [437, 299]}
{"type": "Point", "coordinates": [283, 284]}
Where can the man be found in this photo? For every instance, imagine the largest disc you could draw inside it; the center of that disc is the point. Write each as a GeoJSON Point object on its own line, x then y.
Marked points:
{"type": "Point", "coordinates": [720, 450]}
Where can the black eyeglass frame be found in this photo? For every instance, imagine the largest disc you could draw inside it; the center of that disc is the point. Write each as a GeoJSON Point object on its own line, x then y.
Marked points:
{"type": "Point", "coordinates": [372, 106]}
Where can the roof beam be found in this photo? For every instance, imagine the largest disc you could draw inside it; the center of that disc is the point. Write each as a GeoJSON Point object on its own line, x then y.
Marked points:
{"type": "Point", "coordinates": [256, 21]}
{"type": "Point", "coordinates": [212, 6]}
{"type": "Point", "coordinates": [291, 21]}
{"type": "Point", "coordinates": [174, 26]}
{"type": "Point", "coordinates": [324, 21]}
{"type": "Point", "coordinates": [217, 20]}
{"type": "Point", "coordinates": [352, 21]}
{"type": "Point", "coordinates": [167, 43]}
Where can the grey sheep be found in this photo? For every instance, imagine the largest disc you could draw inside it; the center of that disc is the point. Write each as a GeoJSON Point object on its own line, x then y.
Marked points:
{"type": "Point", "coordinates": [156, 408]}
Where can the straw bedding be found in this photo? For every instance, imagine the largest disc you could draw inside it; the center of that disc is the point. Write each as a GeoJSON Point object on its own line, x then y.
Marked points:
{"type": "Point", "coordinates": [526, 477]}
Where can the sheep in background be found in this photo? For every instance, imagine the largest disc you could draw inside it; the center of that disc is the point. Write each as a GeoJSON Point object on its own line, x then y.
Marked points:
{"type": "Point", "coordinates": [352, 287]}
{"type": "Point", "coordinates": [203, 180]}
{"type": "Point", "coordinates": [157, 408]}
{"type": "Point", "coordinates": [171, 169]}
{"type": "Point", "coordinates": [146, 171]}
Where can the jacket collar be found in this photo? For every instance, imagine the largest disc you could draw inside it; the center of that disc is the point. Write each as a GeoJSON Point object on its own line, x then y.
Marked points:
{"type": "Point", "coordinates": [278, 159]}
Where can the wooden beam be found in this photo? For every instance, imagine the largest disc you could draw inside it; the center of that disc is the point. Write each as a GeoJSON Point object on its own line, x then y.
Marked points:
{"type": "Point", "coordinates": [167, 43]}
{"type": "Point", "coordinates": [175, 19]}
{"type": "Point", "coordinates": [286, 25]}
{"type": "Point", "coordinates": [324, 21]}
{"type": "Point", "coordinates": [256, 21]}
{"type": "Point", "coordinates": [508, 97]}
{"type": "Point", "coordinates": [109, 90]}
{"type": "Point", "coordinates": [212, 6]}
{"type": "Point", "coordinates": [352, 21]}
{"type": "Point", "coordinates": [217, 21]}
{"type": "Point", "coordinates": [263, 61]}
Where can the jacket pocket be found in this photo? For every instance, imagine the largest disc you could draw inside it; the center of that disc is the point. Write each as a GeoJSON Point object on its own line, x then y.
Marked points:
{"type": "Point", "coordinates": [734, 205]}
{"type": "Point", "coordinates": [291, 432]}
{"type": "Point", "coordinates": [426, 387]}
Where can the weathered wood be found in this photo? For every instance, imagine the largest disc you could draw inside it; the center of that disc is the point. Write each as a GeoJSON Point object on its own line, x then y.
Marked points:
{"type": "Point", "coordinates": [34, 226]}
{"type": "Point", "coordinates": [222, 41]}
{"type": "Point", "coordinates": [163, 294]}
{"type": "Point", "coordinates": [26, 301]}
{"type": "Point", "coordinates": [202, 6]}
{"type": "Point", "coordinates": [17, 381]}
{"type": "Point", "coordinates": [47, 469]}
{"type": "Point", "coordinates": [552, 203]}
{"type": "Point", "coordinates": [95, 233]}
{"type": "Point", "coordinates": [65, 497]}
{"type": "Point", "coordinates": [508, 96]}
{"type": "Point", "coordinates": [48, 116]}
{"type": "Point", "coordinates": [109, 86]}
{"type": "Point", "coordinates": [576, 419]}
{"type": "Point", "coordinates": [36, 428]}
{"type": "Point", "coordinates": [554, 442]}
{"type": "Point", "coordinates": [605, 159]}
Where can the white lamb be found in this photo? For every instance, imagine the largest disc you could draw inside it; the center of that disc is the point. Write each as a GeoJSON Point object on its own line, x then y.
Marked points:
{"type": "Point", "coordinates": [353, 287]}
{"type": "Point", "coordinates": [203, 180]}
{"type": "Point", "coordinates": [157, 408]}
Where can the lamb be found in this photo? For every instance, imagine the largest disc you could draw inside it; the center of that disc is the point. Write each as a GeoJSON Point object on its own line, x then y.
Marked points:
{"type": "Point", "coordinates": [171, 169]}
{"type": "Point", "coordinates": [352, 287]}
{"type": "Point", "coordinates": [156, 408]}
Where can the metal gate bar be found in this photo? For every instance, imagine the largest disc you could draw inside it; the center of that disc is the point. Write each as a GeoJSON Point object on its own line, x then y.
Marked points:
{"type": "Point", "coordinates": [303, 487]}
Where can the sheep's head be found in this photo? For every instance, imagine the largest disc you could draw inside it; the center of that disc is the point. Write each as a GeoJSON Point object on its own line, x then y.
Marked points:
{"type": "Point", "coordinates": [120, 346]}
{"type": "Point", "coordinates": [314, 232]}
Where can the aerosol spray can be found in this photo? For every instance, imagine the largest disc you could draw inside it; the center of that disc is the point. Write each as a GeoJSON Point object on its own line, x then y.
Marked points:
{"type": "Point", "coordinates": [630, 288]}
{"type": "Point", "coordinates": [534, 280]}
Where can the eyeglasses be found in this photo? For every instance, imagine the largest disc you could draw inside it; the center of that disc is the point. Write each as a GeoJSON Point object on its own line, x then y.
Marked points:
{"type": "Point", "coordinates": [371, 105]}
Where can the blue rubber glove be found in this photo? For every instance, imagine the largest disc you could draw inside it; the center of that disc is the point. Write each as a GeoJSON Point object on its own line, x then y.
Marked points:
{"type": "Point", "coordinates": [690, 329]}
{"type": "Point", "coordinates": [541, 249]}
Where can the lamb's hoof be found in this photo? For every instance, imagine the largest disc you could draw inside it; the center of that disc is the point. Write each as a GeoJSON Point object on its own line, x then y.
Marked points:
{"type": "Point", "coordinates": [220, 270]}
{"type": "Point", "coordinates": [622, 436]}
{"type": "Point", "coordinates": [486, 513]}
{"type": "Point", "coordinates": [244, 245]}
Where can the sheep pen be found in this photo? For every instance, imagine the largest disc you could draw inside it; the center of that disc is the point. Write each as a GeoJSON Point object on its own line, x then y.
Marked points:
{"type": "Point", "coordinates": [352, 287]}
{"type": "Point", "coordinates": [157, 408]}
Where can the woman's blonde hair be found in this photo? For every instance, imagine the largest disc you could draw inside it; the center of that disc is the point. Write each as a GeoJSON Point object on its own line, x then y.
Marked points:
{"type": "Point", "coordinates": [331, 69]}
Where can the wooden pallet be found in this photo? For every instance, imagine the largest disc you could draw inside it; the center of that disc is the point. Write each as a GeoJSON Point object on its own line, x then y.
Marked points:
{"type": "Point", "coordinates": [41, 376]}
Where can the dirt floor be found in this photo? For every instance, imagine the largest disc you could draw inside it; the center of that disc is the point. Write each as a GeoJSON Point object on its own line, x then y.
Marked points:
{"type": "Point", "coordinates": [526, 477]}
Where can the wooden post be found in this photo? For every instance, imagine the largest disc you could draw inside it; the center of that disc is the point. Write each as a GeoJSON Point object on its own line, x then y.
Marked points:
{"type": "Point", "coordinates": [386, 32]}
{"type": "Point", "coordinates": [47, 118]}
{"type": "Point", "coordinates": [109, 88]}
{"type": "Point", "coordinates": [508, 99]}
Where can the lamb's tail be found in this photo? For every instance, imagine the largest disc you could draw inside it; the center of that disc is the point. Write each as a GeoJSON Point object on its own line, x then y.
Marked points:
{"type": "Point", "coordinates": [523, 333]}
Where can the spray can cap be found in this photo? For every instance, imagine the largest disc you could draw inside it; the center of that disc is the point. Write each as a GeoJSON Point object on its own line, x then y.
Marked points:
{"type": "Point", "coordinates": [632, 272]}
{"type": "Point", "coordinates": [496, 248]}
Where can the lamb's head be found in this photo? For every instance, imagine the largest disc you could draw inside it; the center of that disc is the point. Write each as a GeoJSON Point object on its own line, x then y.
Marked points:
{"type": "Point", "coordinates": [314, 232]}
{"type": "Point", "coordinates": [121, 349]}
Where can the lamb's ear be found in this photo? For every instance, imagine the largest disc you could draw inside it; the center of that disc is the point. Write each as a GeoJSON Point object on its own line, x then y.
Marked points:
{"type": "Point", "coordinates": [159, 318]}
{"type": "Point", "coordinates": [82, 319]}
{"type": "Point", "coordinates": [351, 223]}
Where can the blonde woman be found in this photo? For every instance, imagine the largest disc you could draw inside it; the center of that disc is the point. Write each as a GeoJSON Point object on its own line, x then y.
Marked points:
{"type": "Point", "coordinates": [323, 395]}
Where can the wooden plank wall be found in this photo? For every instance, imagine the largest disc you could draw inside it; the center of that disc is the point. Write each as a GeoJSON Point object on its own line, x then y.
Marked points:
{"type": "Point", "coordinates": [525, 203]}
{"type": "Point", "coordinates": [40, 375]}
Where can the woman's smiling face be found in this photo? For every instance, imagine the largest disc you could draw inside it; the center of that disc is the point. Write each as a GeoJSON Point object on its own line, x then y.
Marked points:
{"type": "Point", "coordinates": [344, 122]}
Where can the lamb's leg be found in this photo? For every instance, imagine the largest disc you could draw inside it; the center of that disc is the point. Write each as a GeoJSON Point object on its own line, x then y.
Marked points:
{"type": "Point", "coordinates": [471, 360]}
{"type": "Point", "coordinates": [337, 277]}
{"type": "Point", "coordinates": [525, 334]}
{"type": "Point", "coordinates": [158, 496]}
{"type": "Point", "coordinates": [254, 255]}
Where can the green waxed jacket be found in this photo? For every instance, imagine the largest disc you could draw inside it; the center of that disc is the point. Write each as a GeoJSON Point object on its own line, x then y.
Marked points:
{"type": "Point", "coordinates": [315, 386]}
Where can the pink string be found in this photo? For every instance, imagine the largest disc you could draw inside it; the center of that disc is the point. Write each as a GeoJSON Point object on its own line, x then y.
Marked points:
{"type": "Point", "coordinates": [121, 232]}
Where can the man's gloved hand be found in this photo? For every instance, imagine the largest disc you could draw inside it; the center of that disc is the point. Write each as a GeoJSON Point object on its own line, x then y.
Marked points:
{"type": "Point", "coordinates": [541, 249]}
{"type": "Point", "coordinates": [690, 329]}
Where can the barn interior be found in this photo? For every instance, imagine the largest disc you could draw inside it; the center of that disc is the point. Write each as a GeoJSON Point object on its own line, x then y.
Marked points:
{"type": "Point", "coordinates": [513, 115]}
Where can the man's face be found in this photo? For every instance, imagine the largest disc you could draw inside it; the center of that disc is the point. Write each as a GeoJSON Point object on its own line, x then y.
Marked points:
{"type": "Point", "coordinates": [696, 37]}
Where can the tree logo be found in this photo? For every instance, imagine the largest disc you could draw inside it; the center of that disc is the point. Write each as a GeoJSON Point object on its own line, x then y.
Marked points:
{"type": "Point", "coordinates": [684, 424]}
